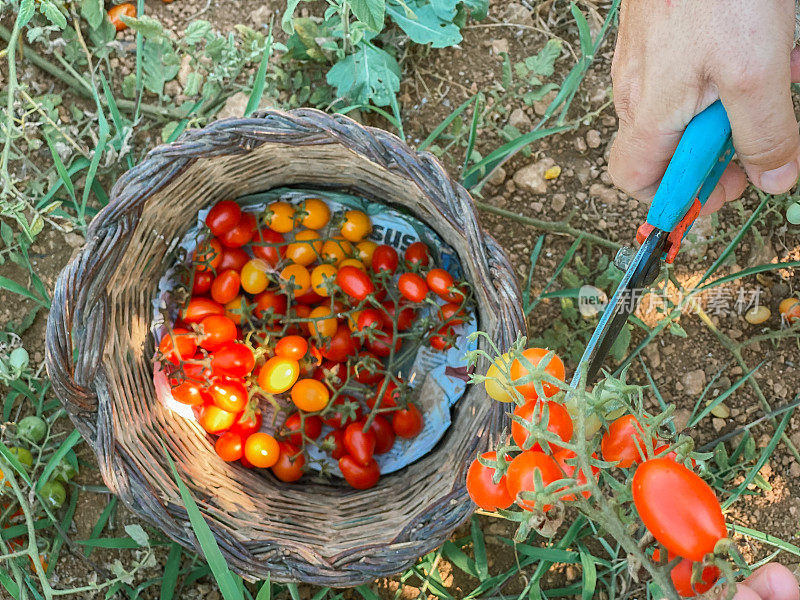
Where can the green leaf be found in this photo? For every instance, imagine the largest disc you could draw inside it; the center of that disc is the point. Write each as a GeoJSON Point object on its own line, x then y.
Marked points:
{"type": "Point", "coordinates": [150, 28]}
{"type": "Point", "coordinates": [67, 445]}
{"type": "Point", "coordinates": [369, 74]}
{"type": "Point", "coordinates": [585, 36]}
{"type": "Point", "coordinates": [421, 23]}
{"type": "Point", "coordinates": [676, 330]}
{"type": "Point", "coordinates": [138, 534]}
{"type": "Point", "coordinates": [196, 32]}
{"type": "Point", "coordinates": [171, 569]}
{"type": "Point", "coordinates": [259, 79]}
{"type": "Point", "coordinates": [26, 10]}
{"type": "Point", "coordinates": [479, 549]}
{"type": "Point", "coordinates": [53, 14]}
{"type": "Point", "coordinates": [92, 11]}
{"type": "Point", "coordinates": [367, 593]}
{"type": "Point", "coordinates": [620, 346]}
{"type": "Point", "coordinates": [543, 62]}
{"type": "Point", "coordinates": [589, 575]}
{"type": "Point", "coordinates": [479, 9]}
{"type": "Point", "coordinates": [16, 288]}
{"type": "Point", "coordinates": [160, 64]}
{"type": "Point", "coordinates": [286, 19]}
{"type": "Point", "coordinates": [369, 12]}
{"type": "Point", "coordinates": [265, 592]}
{"type": "Point", "coordinates": [129, 85]}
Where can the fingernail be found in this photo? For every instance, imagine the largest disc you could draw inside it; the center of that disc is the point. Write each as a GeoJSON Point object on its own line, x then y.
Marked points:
{"type": "Point", "coordinates": [780, 180]}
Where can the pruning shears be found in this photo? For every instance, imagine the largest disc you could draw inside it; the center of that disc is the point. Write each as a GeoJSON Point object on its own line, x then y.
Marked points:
{"type": "Point", "coordinates": [705, 149]}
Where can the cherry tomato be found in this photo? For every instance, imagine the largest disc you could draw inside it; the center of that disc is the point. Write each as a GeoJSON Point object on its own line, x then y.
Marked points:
{"type": "Point", "coordinates": [188, 392]}
{"type": "Point", "coordinates": [197, 373]}
{"type": "Point", "coordinates": [371, 319]}
{"type": "Point", "coordinates": [449, 313]}
{"type": "Point", "coordinates": [439, 281]}
{"type": "Point", "coordinates": [269, 246]}
{"type": "Point", "coordinates": [368, 370]}
{"type": "Point", "coordinates": [202, 282]}
{"type": "Point", "coordinates": [555, 368]}
{"type": "Point", "coordinates": [336, 439]}
{"type": "Point", "coordinates": [498, 374]}
{"type": "Point", "coordinates": [558, 422]}
{"type": "Point", "coordinates": [297, 279]}
{"type": "Point", "coordinates": [248, 423]}
{"type": "Point", "coordinates": [359, 444]}
{"type": "Point", "coordinates": [310, 395]}
{"type": "Point", "coordinates": [405, 319]}
{"type": "Point", "coordinates": [359, 476]}
{"type": "Point", "coordinates": [292, 346]}
{"type": "Point", "coordinates": [312, 427]}
{"type": "Point", "coordinates": [678, 508]}
{"type": "Point", "coordinates": [229, 446]}
{"type": "Point", "coordinates": [184, 345]}
{"type": "Point", "coordinates": [223, 216]}
{"type": "Point", "coordinates": [199, 308]}
{"type": "Point", "coordinates": [237, 309]}
{"type": "Point", "coordinates": [482, 489]}
{"type": "Point", "coordinates": [214, 419]}
{"type": "Point", "coordinates": [623, 442]}
{"type": "Point", "coordinates": [412, 287]}
{"type": "Point", "coordinates": [305, 248]}
{"type": "Point", "coordinates": [32, 428]}
{"type": "Point", "coordinates": [365, 251]}
{"type": "Point", "coordinates": [233, 258]}
{"type": "Point", "coordinates": [561, 456]}
{"type": "Point", "coordinates": [347, 410]}
{"type": "Point", "coordinates": [310, 298]}
{"type": "Point", "coordinates": [313, 213]}
{"type": "Point", "coordinates": [290, 463]}
{"type": "Point", "coordinates": [323, 279]}
{"type": "Point", "coordinates": [332, 373]}
{"type": "Point", "coordinates": [789, 308]}
{"type": "Point", "coordinates": [521, 476]}
{"type": "Point", "coordinates": [384, 434]}
{"type": "Point", "coordinates": [385, 259]}
{"type": "Point", "coordinates": [233, 360]}
{"type": "Point", "coordinates": [53, 494]}
{"type": "Point", "coordinates": [278, 374]}
{"type": "Point", "coordinates": [380, 344]}
{"type": "Point", "coordinates": [353, 262]}
{"type": "Point", "coordinates": [325, 324]}
{"type": "Point", "coordinates": [261, 450]}
{"type": "Point", "coordinates": [356, 226]}
{"type": "Point", "coordinates": [280, 216]}
{"type": "Point", "coordinates": [228, 394]}
{"type": "Point", "coordinates": [407, 422]}
{"type": "Point", "coordinates": [354, 282]}
{"type": "Point", "coordinates": [417, 254]}
{"type": "Point", "coordinates": [389, 399]}
{"type": "Point", "coordinates": [225, 287]}
{"type": "Point", "coordinates": [269, 303]}
{"type": "Point", "coordinates": [207, 255]}
{"type": "Point", "coordinates": [670, 455]}
{"type": "Point", "coordinates": [300, 311]}
{"type": "Point", "coordinates": [444, 338]}
{"type": "Point", "coordinates": [217, 330]}
{"type": "Point", "coordinates": [681, 576]}
{"type": "Point", "coordinates": [115, 14]}
{"type": "Point", "coordinates": [241, 233]}
{"type": "Point", "coordinates": [341, 346]}
{"type": "Point", "coordinates": [254, 278]}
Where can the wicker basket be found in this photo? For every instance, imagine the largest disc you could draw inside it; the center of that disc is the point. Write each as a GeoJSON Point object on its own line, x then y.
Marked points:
{"type": "Point", "coordinates": [313, 532]}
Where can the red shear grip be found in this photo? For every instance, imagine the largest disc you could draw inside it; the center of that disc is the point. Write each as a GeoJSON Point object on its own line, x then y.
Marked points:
{"type": "Point", "coordinates": [676, 235]}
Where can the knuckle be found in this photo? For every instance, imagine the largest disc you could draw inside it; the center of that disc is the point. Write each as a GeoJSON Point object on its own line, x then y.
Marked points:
{"type": "Point", "coordinates": [769, 152]}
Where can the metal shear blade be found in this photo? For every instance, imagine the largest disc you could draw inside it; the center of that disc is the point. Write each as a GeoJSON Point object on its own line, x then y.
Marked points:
{"type": "Point", "coordinates": [641, 272]}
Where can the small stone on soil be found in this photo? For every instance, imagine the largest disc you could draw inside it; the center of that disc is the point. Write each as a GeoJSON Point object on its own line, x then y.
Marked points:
{"type": "Point", "coordinates": [593, 138]}
{"type": "Point", "coordinates": [520, 120]}
{"type": "Point", "coordinates": [694, 382]}
{"type": "Point", "coordinates": [531, 177]}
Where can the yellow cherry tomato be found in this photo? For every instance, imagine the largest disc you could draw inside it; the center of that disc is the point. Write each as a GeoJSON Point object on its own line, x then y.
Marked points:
{"type": "Point", "coordinates": [314, 213]}
{"type": "Point", "coordinates": [261, 450]}
{"type": "Point", "coordinates": [789, 308]}
{"type": "Point", "coordinates": [365, 250]}
{"type": "Point", "coordinates": [310, 395]}
{"type": "Point", "coordinates": [352, 320]}
{"type": "Point", "coordinates": [236, 308]}
{"type": "Point", "coordinates": [325, 325]}
{"type": "Point", "coordinates": [305, 248]}
{"type": "Point", "coordinates": [298, 276]}
{"type": "Point", "coordinates": [353, 262]}
{"type": "Point", "coordinates": [498, 388]}
{"type": "Point", "coordinates": [336, 250]}
{"type": "Point", "coordinates": [322, 278]}
{"type": "Point", "coordinates": [254, 276]}
{"type": "Point", "coordinates": [356, 226]}
{"type": "Point", "coordinates": [280, 216]}
{"type": "Point", "coordinates": [278, 374]}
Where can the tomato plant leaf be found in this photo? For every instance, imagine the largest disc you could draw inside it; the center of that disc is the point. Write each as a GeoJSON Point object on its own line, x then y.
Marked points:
{"type": "Point", "coordinates": [92, 11]}
{"type": "Point", "coordinates": [420, 21]}
{"type": "Point", "coordinates": [369, 12]}
{"type": "Point", "coordinates": [53, 14]}
{"type": "Point", "coordinates": [149, 27]}
{"type": "Point", "coordinates": [479, 549]}
{"type": "Point", "coordinates": [543, 62]}
{"type": "Point", "coordinates": [197, 31]}
{"type": "Point", "coordinates": [479, 9]}
{"type": "Point", "coordinates": [286, 19]}
{"type": "Point", "coordinates": [369, 73]}
{"type": "Point", "coordinates": [589, 575]}
{"type": "Point", "coordinates": [26, 10]}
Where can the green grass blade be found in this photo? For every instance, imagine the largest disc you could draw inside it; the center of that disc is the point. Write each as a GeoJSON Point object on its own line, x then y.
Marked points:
{"type": "Point", "coordinates": [321, 594]}
{"type": "Point", "coordinates": [367, 593]}
{"type": "Point", "coordinates": [8, 582]}
{"type": "Point", "coordinates": [585, 36]}
{"type": "Point", "coordinates": [265, 591]}
{"type": "Point", "coordinates": [115, 543]}
{"type": "Point", "coordinates": [479, 549]}
{"type": "Point", "coordinates": [100, 148]}
{"type": "Point", "coordinates": [445, 123]}
{"type": "Point", "coordinates": [561, 266]}
{"type": "Point", "coordinates": [526, 291]}
{"type": "Point", "coordinates": [60, 168]}
{"type": "Point", "coordinates": [473, 131]}
{"type": "Point", "coordinates": [171, 568]}
{"type": "Point", "coordinates": [765, 538]}
{"type": "Point", "coordinates": [67, 445]}
{"type": "Point", "coordinates": [58, 542]}
{"type": "Point", "coordinates": [721, 398]}
{"type": "Point", "coordinates": [793, 264]}
{"type": "Point", "coordinates": [589, 575]}
{"type": "Point", "coordinates": [293, 591]}
{"type": "Point", "coordinates": [101, 522]}
{"type": "Point", "coordinates": [459, 558]}
{"type": "Point", "coordinates": [16, 288]}
{"type": "Point", "coordinates": [261, 76]}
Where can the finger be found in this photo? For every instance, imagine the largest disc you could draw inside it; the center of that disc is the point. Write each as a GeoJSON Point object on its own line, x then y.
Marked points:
{"type": "Point", "coordinates": [774, 582]}
{"type": "Point", "coordinates": [795, 65]}
{"type": "Point", "coordinates": [730, 187]}
{"type": "Point", "coordinates": [743, 592]}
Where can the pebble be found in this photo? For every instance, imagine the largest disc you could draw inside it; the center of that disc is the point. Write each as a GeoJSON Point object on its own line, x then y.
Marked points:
{"type": "Point", "coordinates": [500, 46]}
{"type": "Point", "coordinates": [593, 138]}
{"type": "Point", "coordinates": [721, 410]}
{"type": "Point", "coordinates": [718, 424]}
{"type": "Point", "coordinates": [681, 418]}
{"type": "Point", "coordinates": [531, 177]}
{"type": "Point", "coordinates": [653, 356]}
{"type": "Point", "coordinates": [518, 14]}
{"type": "Point", "coordinates": [184, 70]}
{"type": "Point", "coordinates": [75, 240]}
{"type": "Point", "coordinates": [580, 144]}
{"type": "Point", "coordinates": [794, 470]}
{"type": "Point", "coordinates": [694, 382]}
{"type": "Point", "coordinates": [604, 193]}
{"type": "Point", "coordinates": [498, 177]}
{"type": "Point", "coordinates": [540, 107]}
{"type": "Point", "coordinates": [520, 120]}
{"type": "Point", "coordinates": [558, 203]}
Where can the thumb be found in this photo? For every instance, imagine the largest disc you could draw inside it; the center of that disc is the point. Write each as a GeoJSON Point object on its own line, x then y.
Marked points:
{"type": "Point", "coordinates": [765, 132]}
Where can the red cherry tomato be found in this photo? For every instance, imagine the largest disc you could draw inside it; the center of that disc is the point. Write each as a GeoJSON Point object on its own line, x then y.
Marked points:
{"type": "Point", "coordinates": [389, 399]}
{"type": "Point", "coordinates": [554, 367]}
{"type": "Point", "coordinates": [229, 394]}
{"type": "Point", "coordinates": [215, 420]}
{"type": "Point", "coordinates": [417, 254]}
{"type": "Point", "coordinates": [359, 444]}
{"type": "Point", "coordinates": [449, 313]}
{"type": "Point", "coordinates": [443, 340]}
{"type": "Point", "coordinates": [269, 303]}
{"type": "Point", "coordinates": [233, 258]}
{"type": "Point", "coordinates": [223, 217]}
{"type": "Point", "coordinates": [380, 345]}
{"type": "Point", "coordinates": [482, 489]}
{"type": "Point", "coordinates": [354, 282]}
{"type": "Point", "coordinates": [202, 282]}
{"type": "Point", "coordinates": [311, 298]}
{"type": "Point", "coordinates": [217, 331]}
{"type": "Point", "coordinates": [678, 508]}
{"type": "Point", "coordinates": [566, 460]}
{"type": "Point", "coordinates": [384, 258]}
{"type": "Point", "coordinates": [359, 476]}
{"type": "Point", "coordinates": [241, 233]}
{"type": "Point", "coordinates": [404, 320]}
{"type": "Point", "coordinates": [263, 248]}
{"type": "Point", "coordinates": [229, 446]}
{"type": "Point", "coordinates": [188, 393]}
{"type": "Point", "coordinates": [369, 369]}
{"type": "Point", "coordinates": [384, 434]}
{"type": "Point", "coordinates": [558, 422]}
{"type": "Point", "coordinates": [412, 287]}
{"type": "Point", "coordinates": [233, 360]}
{"type": "Point", "coordinates": [439, 281]}
{"type": "Point", "coordinates": [207, 255]}
{"type": "Point", "coordinates": [407, 422]}
{"type": "Point", "coordinates": [199, 308]}
{"type": "Point", "coordinates": [184, 345]}
{"type": "Point", "coordinates": [521, 476]}
{"type": "Point", "coordinates": [623, 442]}
{"type": "Point", "coordinates": [345, 410]}
{"type": "Point", "coordinates": [247, 424]}
{"type": "Point", "coordinates": [336, 438]}
{"type": "Point", "coordinates": [681, 576]}
{"type": "Point", "coordinates": [332, 373]}
{"type": "Point", "coordinates": [292, 346]}
{"type": "Point", "coordinates": [312, 427]}
{"type": "Point", "coordinates": [225, 287]}
{"type": "Point", "coordinates": [290, 463]}
{"type": "Point", "coordinates": [341, 346]}
{"type": "Point", "coordinates": [369, 318]}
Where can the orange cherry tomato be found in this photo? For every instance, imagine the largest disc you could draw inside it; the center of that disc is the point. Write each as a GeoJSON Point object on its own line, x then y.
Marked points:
{"type": "Point", "coordinates": [789, 308]}
{"type": "Point", "coordinates": [290, 463]}
{"type": "Point", "coordinates": [188, 393]}
{"type": "Point", "coordinates": [306, 247]}
{"type": "Point", "coordinates": [228, 394]}
{"type": "Point", "coordinates": [278, 374]}
{"type": "Point", "coordinates": [254, 278]}
{"type": "Point", "coordinates": [261, 450]}
{"type": "Point", "coordinates": [280, 216]}
{"type": "Point", "coordinates": [217, 330]}
{"type": "Point", "coordinates": [199, 308]}
{"type": "Point", "coordinates": [296, 278]}
{"type": "Point", "coordinates": [310, 395]}
{"type": "Point", "coordinates": [225, 287]}
{"type": "Point", "coordinates": [555, 368]}
{"type": "Point", "coordinates": [229, 446]}
{"type": "Point", "coordinates": [521, 476]}
{"type": "Point", "coordinates": [292, 346]}
{"type": "Point", "coordinates": [325, 324]}
{"type": "Point", "coordinates": [236, 309]}
{"type": "Point", "coordinates": [126, 9]}
{"type": "Point", "coordinates": [558, 422]}
{"type": "Point", "coordinates": [356, 226]}
{"type": "Point", "coordinates": [313, 213]}
{"type": "Point", "coordinates": [482, 489]}
{"type": "Point", "coordinates": [365, 251]}
{"type": "Point", "coordinates": [323, 279]}
{"type": "Point", "coordinates": [336, 250]}
{"type": "Point", "coordinates": [184, 345]}
{"type": "Point", "coordinates": [208, 253]}
{"type": "Point", "coordinates": [215, 420]}
{"type": "Point", "coordinates": [270, 304]}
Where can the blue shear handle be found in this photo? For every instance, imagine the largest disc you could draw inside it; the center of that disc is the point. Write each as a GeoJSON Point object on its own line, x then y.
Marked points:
{"type": "Point", "coordinates": [703, 153]}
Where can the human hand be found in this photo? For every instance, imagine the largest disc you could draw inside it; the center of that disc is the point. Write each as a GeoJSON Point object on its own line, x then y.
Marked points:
{"type": "Point", "coordinates": [770, 582]}
{"type": "Point", "coordinates": [674, 58]}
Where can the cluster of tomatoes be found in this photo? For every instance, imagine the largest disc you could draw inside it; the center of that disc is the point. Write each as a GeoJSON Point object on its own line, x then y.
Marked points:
{"type": "Point", "coordinates": [314, 323]}
{"type": "Point", "coordinates": [678, 508]}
